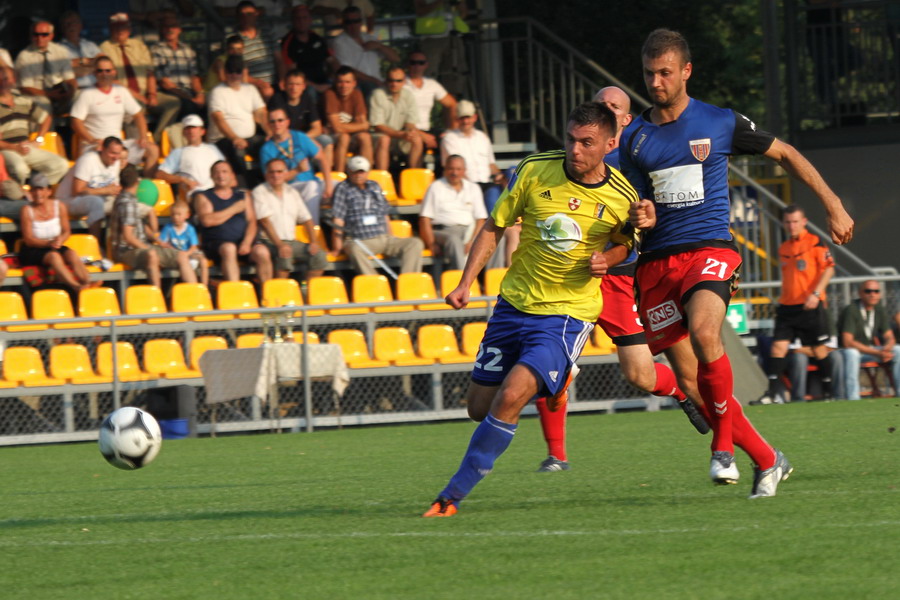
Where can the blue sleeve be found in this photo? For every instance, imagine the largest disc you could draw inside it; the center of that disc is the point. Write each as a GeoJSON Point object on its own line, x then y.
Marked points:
{"type": "Point", "coordinates": [306, 144]}
{"type": "Point", "coordinates": [167, 233]}
{"type": "Point", "coordinates": [267, 153]}
{"type": "Point", "coordinates": [191, 234]}
{"type": "Point", "coordinates": [630, 170]}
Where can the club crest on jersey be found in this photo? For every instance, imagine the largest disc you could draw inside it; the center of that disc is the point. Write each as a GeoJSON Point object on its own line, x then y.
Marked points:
{"type": "Point", "coordinates": [574, 203]}
{"type": "Point", "coordinates": [700, 148]}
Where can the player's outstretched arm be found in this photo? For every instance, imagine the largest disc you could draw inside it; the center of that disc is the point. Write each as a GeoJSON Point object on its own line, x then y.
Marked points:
{"type": "Point", "coordinates": [840, 224]}
{"type": "Point", "coordinates": [482, 248]}
{"type": "Point", "coordinates": [642, 214]}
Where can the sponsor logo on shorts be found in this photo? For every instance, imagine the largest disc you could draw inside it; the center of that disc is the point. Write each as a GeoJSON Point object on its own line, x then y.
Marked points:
{"type": "Point", "coordinates": [663, 315]}
{"type": "Point", "coordinates": [574, 203]}
{"type": "Point", "coordinates": [700, 148]}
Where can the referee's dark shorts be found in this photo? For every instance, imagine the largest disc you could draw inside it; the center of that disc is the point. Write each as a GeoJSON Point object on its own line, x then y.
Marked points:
{"type": "Point", "coordinates": [792, 321]}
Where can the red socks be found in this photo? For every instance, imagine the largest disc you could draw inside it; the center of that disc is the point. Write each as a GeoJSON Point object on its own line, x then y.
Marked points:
{"type": "Point", "coordinates": [666, 384]}
{"type": "Point", "coordinates": [716, 384]}
{"type": "Point", "coordinates": [554, 426]}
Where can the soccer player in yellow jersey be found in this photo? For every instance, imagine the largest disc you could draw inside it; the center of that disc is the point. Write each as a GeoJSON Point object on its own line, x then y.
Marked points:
{"type": "Point", "coordinates": [571, 205]}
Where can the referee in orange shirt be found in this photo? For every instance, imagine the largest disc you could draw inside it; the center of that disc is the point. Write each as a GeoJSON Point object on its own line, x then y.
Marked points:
{"type": "Point", "coordinates": [806, 269]}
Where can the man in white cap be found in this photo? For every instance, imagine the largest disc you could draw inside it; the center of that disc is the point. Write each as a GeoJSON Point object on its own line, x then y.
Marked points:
{"type": "Point", "coordinates": [475, 147]}
{"type": "Point", "coordinates": [361, 225]}
{"type": "Point", "coordinates": [190, 165]}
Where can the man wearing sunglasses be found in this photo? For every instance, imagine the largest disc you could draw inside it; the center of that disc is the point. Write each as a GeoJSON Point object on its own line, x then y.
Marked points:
{"type": "Point", "coordinates": [865, 335]}
{"type": "Point", "coordinates": [361, 51]}
{"type": "Point", "coordinates": [44, 71]}
{"type": "Point", "coordinates": [427, 92]}
{"type": "Point", "coordinates": [393, 114]}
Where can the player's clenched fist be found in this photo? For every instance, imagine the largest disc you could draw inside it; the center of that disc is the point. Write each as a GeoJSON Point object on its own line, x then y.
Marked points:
{"type": "Point", "coordinates": [459, 297]}
{"type": "Point", "coordinates": [598, 263]}
{"type": "Point", "coordinates": [642, 214]}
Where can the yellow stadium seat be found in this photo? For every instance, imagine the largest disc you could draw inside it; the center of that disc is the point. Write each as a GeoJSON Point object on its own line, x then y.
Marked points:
{"type": "Point", "coordinates": [386, 181]}
{"type": "Point", "coordinates": [418, 286]}
{"type": "Point", "coordinates": [166, 199]}
{"type": "Point", "coordinates": [148, 300]}
{"type": "Point", "coordinates": [194, 297]}
{"type": "Point", "coordinates": [165, 144]}
{"type": "Point", "coordinates": [55, 304]}
{"type": "Point", "coordinates": [301, 235]}
{"type": "Point", "coordinates": [249, 340]}
{"type": "Point", "coordinates": [12, 308]}
{"type": "Point", "coordinates": [492, 280]}
{"type": "Point", "coordinates": [165, 358]}
{"type": "Point", "coordinates": [472, 334]}
{"type": "Point", "coordinates": [129, 367]}
{"type": "Point", "coordinates": [374, 288]}
{"type": "Point", "coordinates": [101, 301]}
{"type": "Point", "coordinates": [336, 176]}
{"type": "Point", "coordinates": [87, 247]}
{"type": "Point", "coordinates": [353, 346]}
{"type": "Point", "coordinates": [394, 345]}
{"type": "Point", "coordinates": [413, 185]}
{"type": "Point", "coordinates": [23, 364]}
{"type": "Point", "coordinates": [237, 294]}
{"type": "Point", "coordinates": [72, 363]}
{"type": "Point", "coordinates": [331, 290]}
{"type": "Point", "coordinates": [52, 143]}
{"type": "Point", "coordinates": [450, 279]}
{"type": "Point", "coordinates": [438, 342]}
{"type": "Point", "coordinates": [201, 344]}
{"type": "Point", "coordinates": [401, 228]}
{"type": "Point", "coordinates": [282, 292]}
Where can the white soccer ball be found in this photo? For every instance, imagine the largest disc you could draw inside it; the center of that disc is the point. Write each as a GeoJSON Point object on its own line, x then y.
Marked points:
{"type": "Point", "coordinates": [130, 438]}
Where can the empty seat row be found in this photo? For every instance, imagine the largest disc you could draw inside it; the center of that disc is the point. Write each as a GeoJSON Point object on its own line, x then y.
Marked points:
{"type": "Point", "coordinates": [392, 346]}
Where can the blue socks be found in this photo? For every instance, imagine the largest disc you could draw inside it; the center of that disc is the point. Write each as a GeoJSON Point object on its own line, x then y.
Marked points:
{"type": "Point", "coordinates": [490, 439]}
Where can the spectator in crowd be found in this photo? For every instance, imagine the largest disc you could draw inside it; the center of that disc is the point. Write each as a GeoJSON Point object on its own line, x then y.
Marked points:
{"type": "Point", "coordinates": [806, 269]}
{"type": "Point", "coordinates": [189, 167]}
{"type": "Point", "coordinates": [44, 224]}
{"type": "Point", "coordinates": [297, 151]}
{"type": "Point", "coordinates": [12, 197]}
{"type": "Point", "coordinates": [439, 27]}
{"type": "Point", "coordinates": [134, 68]}
{"type": "Point", "coordinates": [175, 67]}
{"type": "Point", "coordinates": [331, 12]}
{"type": "Point", "coordinates": [99, 113]}
{"type": "Point", "coordinates": [393, 114]}
{"type": "Point", "coordinates": [475, 146]}
{"type": "Point", "coordinates": [361, 51]}
{"type": "Point", "coordinates": [361, 225]}
{"type": "Point", "coordinates": [303, 111]}
{"type": "Point", "coordinates": [91, 186]}
{"type": "Point", "coordinates": [18, 115]}
{"type": "Point", "coordinates": [866, 336]}
{"type": "Point", "coordinates": [131, 239]}
{"type": "Point", "coordinates": [228, 226]}
{"type": "Point", "coordinates": [260, 50]}
{"type": "Point", "coordinates": [279, 209]}
{"type": "Point", "coordinates": [302, 49]}
{"type": "Point", "coordinates": [346, 114]}
{"type": "Point", "coordinates": [427, 91]}
{"type": "Point", "coordinates": [82, 51]}
{"type": "Point", "coordinates": [452, 213]}
{"type": "Point", "coordinates": [798, 372]}
{"type": "Point", "coordinates": [6, 60]}
{"type": "Point", "coordinates": [44, 71]}
{"type": "Point", "coordinates": [235, 111]}
{"type": "Point", "coordinates": [234, 46]}
{"type": "Point", "coordinates": [180, 235]}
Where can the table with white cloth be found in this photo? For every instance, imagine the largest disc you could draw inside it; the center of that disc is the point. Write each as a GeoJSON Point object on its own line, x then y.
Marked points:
{"type": "Point", "coordinates": [240, 373]}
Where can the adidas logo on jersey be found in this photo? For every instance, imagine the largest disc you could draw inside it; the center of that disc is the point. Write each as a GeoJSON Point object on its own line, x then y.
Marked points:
{"type": "Point", "coordinates": [546, 195]}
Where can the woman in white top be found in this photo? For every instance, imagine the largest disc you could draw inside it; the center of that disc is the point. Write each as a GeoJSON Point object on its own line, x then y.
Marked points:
{"type": "Point", "coordinates": [44, 224]}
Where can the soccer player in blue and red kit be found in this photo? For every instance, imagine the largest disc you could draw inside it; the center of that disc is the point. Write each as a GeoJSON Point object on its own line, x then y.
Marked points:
{"type": "Point", "coordinates": [676, 155]}
{"type": "Point", "coordinates": [571, 205]}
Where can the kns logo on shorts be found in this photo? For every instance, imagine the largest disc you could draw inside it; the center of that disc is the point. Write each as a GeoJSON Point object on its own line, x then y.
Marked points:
{"type": "Point", "coordinates": [663, 315]}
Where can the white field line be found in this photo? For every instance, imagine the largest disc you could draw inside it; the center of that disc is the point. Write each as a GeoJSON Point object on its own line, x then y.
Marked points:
{"type": "Point", "coordinates": [430, 534]}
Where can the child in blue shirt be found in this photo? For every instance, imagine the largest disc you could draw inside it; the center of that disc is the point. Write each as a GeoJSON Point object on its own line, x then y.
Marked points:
{"type": "Point", "coordinates": [182, 236]}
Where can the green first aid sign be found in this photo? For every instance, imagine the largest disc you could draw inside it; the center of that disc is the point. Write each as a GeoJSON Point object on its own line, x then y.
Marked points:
{"type": "Point", "coordinates": [737, 316]}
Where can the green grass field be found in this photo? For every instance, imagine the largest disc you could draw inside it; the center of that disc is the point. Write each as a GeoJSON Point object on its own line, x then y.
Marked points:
{"type": "Point", "coordinates": [335, 514]}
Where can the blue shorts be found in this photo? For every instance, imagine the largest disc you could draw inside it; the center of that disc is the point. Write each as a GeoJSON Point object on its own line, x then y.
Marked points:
{"type": "Point", "coordinates": [547, 344]}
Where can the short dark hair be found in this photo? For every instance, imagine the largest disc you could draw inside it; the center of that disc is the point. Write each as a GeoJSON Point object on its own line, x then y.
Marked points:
{"type": "Point", "coordinates": [234, 64]}
{"type": "Point", "coordinates": [350, 10]}
{"type": "Point", "coordinates": [233, 39]}
{"type": "Point", "coordinates": [344, 70]}
{"type": "Point", "coordinates": [109, 141]}
{"type": "Point", "coordinates": [276, 159]}
{"type": "Point", "coordinates": [791, 209]}
{"type": "Point", "coordinates": [662, 40]}
{"type": "Point", "coordinates": [217, 163]}
{"type": "Point", "coordinates": [129, 176]}
{"type": "Point", "coordinates": [594, 113]}
{"type": "Point", "coordinates": [244, 4]}
{"type": "Point", "coordinates": [296, 73]}
{"type": "Point", "coordinates": [455, 157]}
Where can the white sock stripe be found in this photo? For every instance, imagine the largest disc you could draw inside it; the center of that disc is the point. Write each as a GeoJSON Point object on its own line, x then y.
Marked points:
{"type": "Point", "coordinates": [495, 423]}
